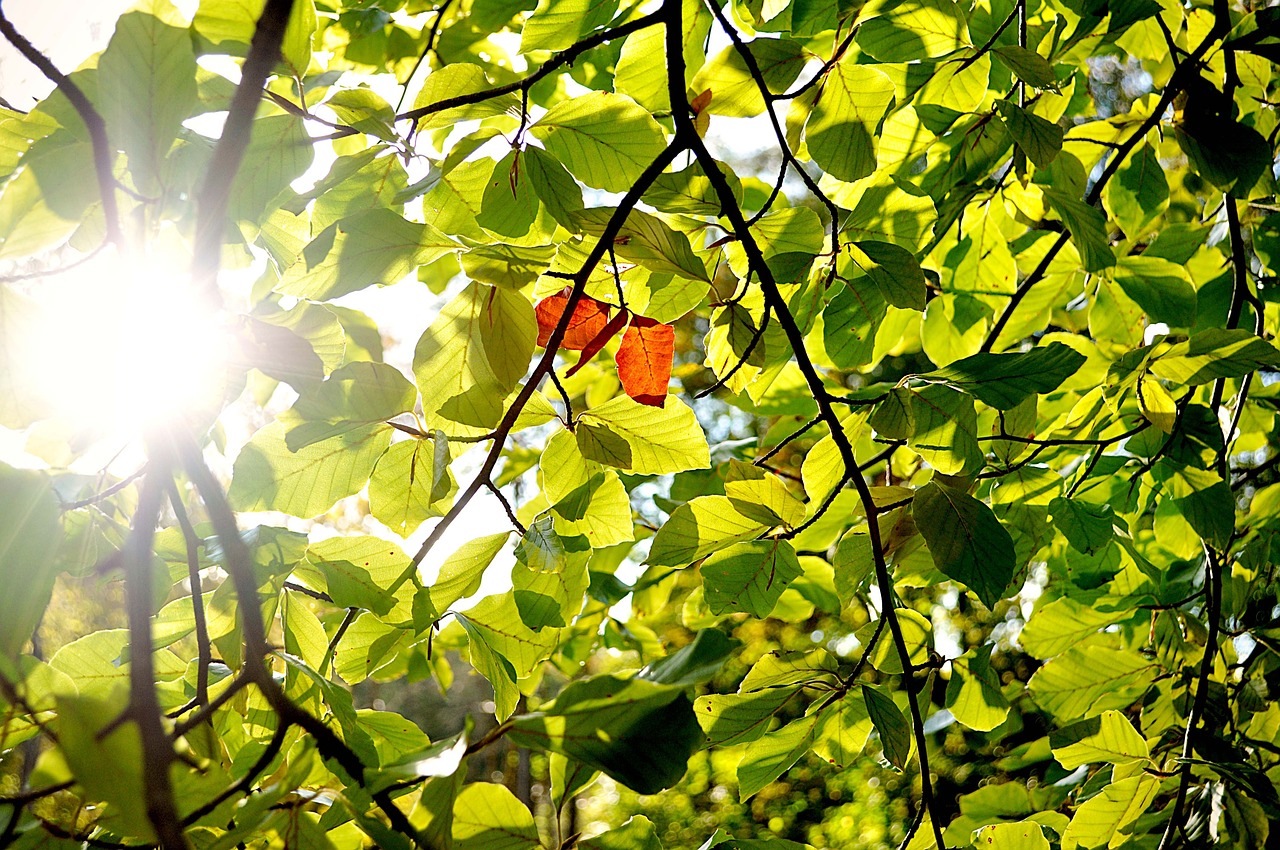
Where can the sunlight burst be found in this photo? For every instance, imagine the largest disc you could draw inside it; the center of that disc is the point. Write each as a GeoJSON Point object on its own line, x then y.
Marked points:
{"type": "Point", "coordinates": [124, 346]}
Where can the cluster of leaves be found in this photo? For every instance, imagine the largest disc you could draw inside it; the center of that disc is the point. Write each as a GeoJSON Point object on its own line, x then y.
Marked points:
{"type": "Point", "coordinates": [996, 347]}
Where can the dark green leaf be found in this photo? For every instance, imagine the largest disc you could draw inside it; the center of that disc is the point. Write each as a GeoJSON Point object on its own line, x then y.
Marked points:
{"type": "Point", "coordinates": [1005, 380]}
{"type": "Point", "coordinates": [968, 543]}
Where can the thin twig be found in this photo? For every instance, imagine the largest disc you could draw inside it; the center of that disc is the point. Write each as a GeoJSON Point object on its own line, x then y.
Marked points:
{"type": "Point", "coordinates": [751, 347]}
{"type": "Point", "coordinates": [103, 158]}
{"type": "Point", "coordinates": [565, 57]}
{"type": "Point", "coordinates": [245, 782]}
{"type": "Point", "coordinates": [506, 506]}
{"type": "Point", "coordinates": [332, 648]}
{"type": "Point", "coordinates": [426, 50]}
{"type": "Point", "coordinates": [203, 649]}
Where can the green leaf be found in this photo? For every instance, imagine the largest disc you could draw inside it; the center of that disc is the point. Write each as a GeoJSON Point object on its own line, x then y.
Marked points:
{"type": "Point", "coordinates": [503, 649]}
{"type": "Point", "coordinates": [30, 534]}
{"type": "Point", "coordinates": [374, 246]}
{"type": "Point", "coordinates": [896, 271]}
{"type": "Point", "coordinates": [471, 357]}
{"type": "Point", "coordinates": [550, 575]}
{"type": "Point", "coordinates": [1103, 819]}
{"type": "Point", "coordinates": [649, 241]}
{"type": "Point", "coordinates": [1096, 677]}
{"type": "Point", "coordinates": [1024, 835]}
{"type": "Point", "coordinates": [640, 732]}
{"type": "Point", "coordinates": [147, 88]}
{"type": "Point", "coordinates": [21, 401]}
{"type": "Point", "coordinates": [47, 199]}
{"type": "Point", "coordinates": [489, 817]}
{"type": "Point", "coordinates": [1162, 289]}
{"type": "Point", "coordinates": [895, 731]}
{"type": "Point", "coordinates": [605, 140]}
{"type": "Point", "coordinates": [771, 755]}
{"type": "Point", "coordinates": [1061, 624]}
{"type": "Point", "coordinates": [280, 150]}
{"type": "Point", "coordinates": [364, 110]}
{"type": "Point", "coordinates": [914, 30]}
{"type": "Point", "coordinates": [1109, 738]}
{"type": "Point", "coordinates": [1139, 193]}
{"type": "Point", "coordinates": [966, 540]}
{"type": "Point", "coordinates": [459, 577]}
{"type": "Point", "coordinates": [1230, 155]}
{"type": "Point", "coordinates": [1216, 353]}
{"type": "Point", "coordinates": [108, 767]}
{"type": "Point", "coordinates": [356, 394]}
{"type": "Point", "coordinates": [457, 80]}
{"type": "Point", "coordinates": [944, 430]}
{"type": "Point", "coordinates": [916, 634]}
{"type": "Point", "coordinates": [779, 669]}
{"type": "Point", "coordinates": [554, 186]}
{"type": "Point", "coordinates": [695, 662]}
{"type": "Point", "coordinates": [850, 322]}
{"type": "Point", "coordinates": [662, 439]}
{"type": "Point", "coordinates": [1088, 230]}
{"type": "Point", "coordinates": [269, 477]}
{"type": "Point", "coordinates": [974, 696]}
{"type": "Point", "coordinates": [359, 571]}
{"type": "Point", "coordinates": [1039, 139]}
{"type": "Point", "coordinates": [841, 129]}
{"type": "Point", "coordinates": [1029, 66]}
{"type": "Point", "coordinates": [636, 834]}
{"type": "Point", "coordinates": [845, 728]}
{"type": "Point", "coordinates": [1005, 380]}
{"type": "Point", "coordinates": [690, 191]}
{"type": "Point", "coordinates": [749, 576]}
{"type": "Point", "coordinates": [1087, 527]}
{"type": "Point", "coordinates": [729, 719]}
{"type": "Point", "coordinates": [411, 483]}
{"type": "Point", "coordinates": [763, 497]}
{"type": "Point", "coordinates": [303, 634]}
{"type": "Point", "coordinates": [699, 527]}
{"type": "Point", "coordinates": [854, 563]}
{"type": "Point", "coordinates": [557, 24]}
{"type": "Point", "coordinates": [598, 443]}
{"type": "Point", "coordinates": [733, 91]}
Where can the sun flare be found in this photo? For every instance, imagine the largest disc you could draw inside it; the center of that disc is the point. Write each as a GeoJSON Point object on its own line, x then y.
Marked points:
{"type": "Point", "coordinates": [123, 346]}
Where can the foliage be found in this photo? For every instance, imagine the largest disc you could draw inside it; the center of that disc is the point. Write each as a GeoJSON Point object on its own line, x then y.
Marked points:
{"type": "Point", "coordinates": [952, 441]}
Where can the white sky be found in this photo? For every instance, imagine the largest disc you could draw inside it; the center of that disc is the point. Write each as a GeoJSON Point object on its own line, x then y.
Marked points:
{"type": "Point", "coordinates": [64, 30]}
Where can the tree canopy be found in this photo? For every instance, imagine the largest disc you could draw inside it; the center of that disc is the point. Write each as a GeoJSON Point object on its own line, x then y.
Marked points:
{"type": "Point", "coordinates": [825, 395]}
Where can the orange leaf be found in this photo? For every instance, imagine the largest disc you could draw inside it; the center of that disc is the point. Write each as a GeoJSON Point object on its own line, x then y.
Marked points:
{"type": "Point", "coordinates": [588, 319]}
{"type": "Point", "coordinates": [592, 348]}
{"type": "Point", "coordinates": [644, 360]}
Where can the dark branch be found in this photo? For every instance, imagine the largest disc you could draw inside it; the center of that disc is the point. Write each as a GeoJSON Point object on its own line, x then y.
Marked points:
{"type": "Point", "coordinates": [215, 193]}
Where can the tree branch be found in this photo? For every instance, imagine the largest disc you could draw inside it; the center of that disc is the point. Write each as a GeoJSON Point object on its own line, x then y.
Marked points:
{"type": "Point", "coordinates": [547, 363]}
{"type": "Point", "coordinates": [215, 192]}
{"type": "Point", "coordinates": [565, 57]}
{"type": "Point", "coordinates": [144, 707]}
{"type": "Point", "coordinates": [773, 298]}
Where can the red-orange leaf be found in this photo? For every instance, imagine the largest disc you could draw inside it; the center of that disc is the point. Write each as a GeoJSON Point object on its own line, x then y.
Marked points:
{"type": "Point", "coordinates": [592, 348]}
{"type": "Point", "coordinates": [644, 360]}
{"type": "Point", "coordinates": [588, 319]}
